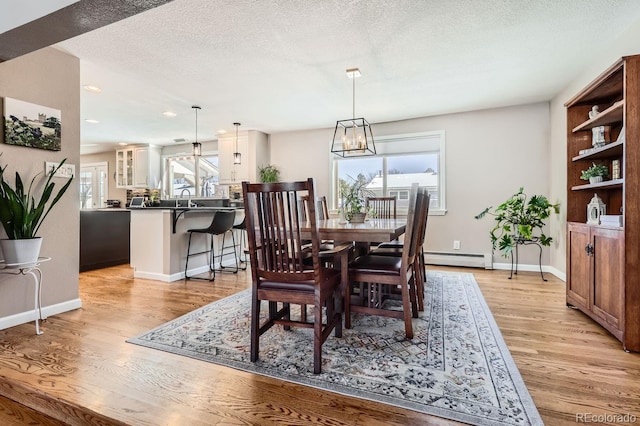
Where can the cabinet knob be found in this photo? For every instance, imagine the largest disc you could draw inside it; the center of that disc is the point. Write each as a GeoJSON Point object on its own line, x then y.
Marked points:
{"type": "Point", "coordinates": [589, 249]}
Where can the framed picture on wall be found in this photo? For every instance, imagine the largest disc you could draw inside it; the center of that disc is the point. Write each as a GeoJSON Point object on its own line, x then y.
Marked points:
{"type": "Point", "coordinates": [31, 125]}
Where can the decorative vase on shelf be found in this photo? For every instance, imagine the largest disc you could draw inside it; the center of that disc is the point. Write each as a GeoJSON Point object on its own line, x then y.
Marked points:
{"type": "Point", "coordinates": [595, 179]}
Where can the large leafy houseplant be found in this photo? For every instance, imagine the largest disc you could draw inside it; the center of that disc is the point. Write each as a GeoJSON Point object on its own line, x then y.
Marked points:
{"type": "Point", "coordinates": [22, 213]}
{"type": "Point", "coordinates": [519, 218]}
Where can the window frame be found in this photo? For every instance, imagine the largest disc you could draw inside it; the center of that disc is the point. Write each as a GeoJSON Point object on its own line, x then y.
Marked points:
{"type": "Point", "coordinates": [403, 144]}
{"type": "Point", "coordinates": [167, 184]}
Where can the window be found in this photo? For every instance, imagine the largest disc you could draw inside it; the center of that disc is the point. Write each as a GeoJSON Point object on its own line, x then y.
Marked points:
{"type": "Point", "coordinates": [191, 176]}
{"type": "Point", "coordinates": [400, 161]}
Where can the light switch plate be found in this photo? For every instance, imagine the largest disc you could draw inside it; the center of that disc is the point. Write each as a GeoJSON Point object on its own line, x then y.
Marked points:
{"type": "Point", "coordinates": [66, 171]}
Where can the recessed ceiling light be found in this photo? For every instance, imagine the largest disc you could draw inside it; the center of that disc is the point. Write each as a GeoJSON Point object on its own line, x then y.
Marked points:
{"type": "Point", "coordinates": [94, 89]}
{"type": "Point", "coordinates": [222, 131]}
{"type": "Point", "coordinates": [92, 121]}
{"type": "Point", "coordinates": [169, 114]}
{"type": "Point", "coordinates": [122, 143]}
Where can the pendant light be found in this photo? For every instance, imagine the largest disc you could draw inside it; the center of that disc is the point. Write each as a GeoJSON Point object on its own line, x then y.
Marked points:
{"type": "Point", "coordinates": [236, 155]}
{"type": "Point", "coordinates": [353, 137]}
{"type": "Point", "coordinates": [197, 146]}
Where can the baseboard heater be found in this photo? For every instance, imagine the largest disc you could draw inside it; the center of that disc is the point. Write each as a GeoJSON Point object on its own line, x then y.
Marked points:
{"type": "Point", "coordinates": [472, 260]}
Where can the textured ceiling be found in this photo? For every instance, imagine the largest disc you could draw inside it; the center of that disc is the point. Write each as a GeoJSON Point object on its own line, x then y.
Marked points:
{"type": "Point", "coordinates": [279, 65]}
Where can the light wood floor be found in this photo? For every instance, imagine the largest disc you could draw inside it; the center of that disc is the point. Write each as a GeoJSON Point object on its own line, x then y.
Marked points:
{"type": "Point", "coordinates": [81, 371]}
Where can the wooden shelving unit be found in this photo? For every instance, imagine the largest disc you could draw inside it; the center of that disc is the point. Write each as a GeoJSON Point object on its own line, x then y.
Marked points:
{"type": "Point", "coordinates": [603, 263]}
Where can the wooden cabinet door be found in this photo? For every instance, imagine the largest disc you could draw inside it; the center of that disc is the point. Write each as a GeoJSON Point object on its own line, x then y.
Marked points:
{"type": "Point", "coordinates": [141, 168]}
{"type": "Point", "coordinates": [578, 265]}
{"type": "Point", "coordinates": [608, 275]}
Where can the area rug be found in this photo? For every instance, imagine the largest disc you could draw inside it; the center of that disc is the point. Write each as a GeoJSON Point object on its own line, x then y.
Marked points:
{"type": "Point", "coordinates": [457, 366]}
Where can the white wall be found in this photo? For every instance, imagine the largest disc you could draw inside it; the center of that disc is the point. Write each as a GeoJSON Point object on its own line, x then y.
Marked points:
{"type": "Point", "coordinates": [627, 44]}
{"type": "Point", "coordinates": [489, 155]}
{"type": "Point", "coordinates": [51, 78]}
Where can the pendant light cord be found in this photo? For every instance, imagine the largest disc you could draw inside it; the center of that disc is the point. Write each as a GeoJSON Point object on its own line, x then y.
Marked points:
{"type": "Point", "coordinates": [354, 98]}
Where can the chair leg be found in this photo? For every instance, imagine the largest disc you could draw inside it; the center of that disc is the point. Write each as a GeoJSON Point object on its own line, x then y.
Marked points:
{"type": "Point", "coordinates": [235, 254]}
{"type": "Point", "coordinates": [334, 312]}
{"type": "Point", "coordinates": [346, 306]}
{"type": "Point", "coordinates": [317, 339]}
{"type": "Point", "coordinates": [406, 309]}
{"type": "Point", "coordinates": [211, 258]}
{"type": "Point", "coordinates": [255, 326]}
{"type": "Point", "coordinates": [412, 295]}
{"type": "Point", "coordinates": [186, 265]}
{"type": "Point", "coordinates": [421, 277]}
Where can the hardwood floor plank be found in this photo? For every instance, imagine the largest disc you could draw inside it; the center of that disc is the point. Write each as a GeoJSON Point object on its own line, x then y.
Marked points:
{"type": "Point", "coordinates": [81, 371]}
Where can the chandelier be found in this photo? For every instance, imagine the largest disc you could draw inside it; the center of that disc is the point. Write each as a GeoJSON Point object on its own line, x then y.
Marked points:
{"type": "Point", "coordinates": [353, 136]}
{"type": "Point", "coordinates": [197, 146]}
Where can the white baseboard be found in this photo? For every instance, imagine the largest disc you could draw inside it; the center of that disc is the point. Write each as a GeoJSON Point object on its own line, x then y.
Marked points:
{"type": "Point", "coordinates": [167, 278]}
{"type": "Point", "coordinates": [47, 311]}
{"type": "Point", "coordinates": [532, 268]}
{"type": "Point", "coordinates": [472, 260]}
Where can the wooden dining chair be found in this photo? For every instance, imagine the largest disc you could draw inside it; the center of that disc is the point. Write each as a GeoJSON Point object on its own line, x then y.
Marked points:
{"type": "Point", "coordinates": [279, 272]}
{"type": "Point", "coordinates": [395, 248]}
{"type": "Point", "coordinates": [322, 211]}
{"type": "Point", "coordinates": [381, 207]}
{"type": "Point", "coordinates": [374, 279]}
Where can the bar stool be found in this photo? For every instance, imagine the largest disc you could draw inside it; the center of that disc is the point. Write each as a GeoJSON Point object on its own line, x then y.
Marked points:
{"type": "Point", "coordinates": [242, 227]}
{"type": "Point", "coordinates": [221, 223]}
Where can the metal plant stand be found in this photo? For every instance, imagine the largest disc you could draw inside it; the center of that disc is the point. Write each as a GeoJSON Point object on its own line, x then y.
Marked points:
{"type": "Point", "coordinates": [519, 241]}
{"type": "Point", "coordinates": [32, 269]}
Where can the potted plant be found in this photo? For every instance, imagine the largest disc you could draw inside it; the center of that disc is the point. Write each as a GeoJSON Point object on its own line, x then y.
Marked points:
{"type": "Point", "coordinates": [518, 219]}
{"type": "Point", "coordinates": [595, 173]}
{"type": "Point", "coordinates": [22, 214]}
{"type": "Point", "coordinates": [269, 173]}
{"type": "Point", "coordinates": [352, 196]}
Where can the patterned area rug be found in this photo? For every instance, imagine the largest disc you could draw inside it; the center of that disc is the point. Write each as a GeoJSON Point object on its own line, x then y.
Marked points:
{"type": "Point", "coordinates": [457, 366]}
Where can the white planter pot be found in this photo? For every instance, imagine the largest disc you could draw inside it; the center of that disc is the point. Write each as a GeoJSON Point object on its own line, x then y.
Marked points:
{"type": "Point", "coordinates": [595, 179]}
{"type": "Point", "coordinates": [21, 251]}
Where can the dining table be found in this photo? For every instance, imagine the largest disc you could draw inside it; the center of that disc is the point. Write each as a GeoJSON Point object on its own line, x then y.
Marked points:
{"type": "Point", "coordinates": [360, 234]}
{"type": "Point", "coordinates": [371, 230]}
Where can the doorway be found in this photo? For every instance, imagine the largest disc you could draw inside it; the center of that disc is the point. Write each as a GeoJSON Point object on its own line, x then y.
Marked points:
{"type": "Point", "coordinates": [94, 185]}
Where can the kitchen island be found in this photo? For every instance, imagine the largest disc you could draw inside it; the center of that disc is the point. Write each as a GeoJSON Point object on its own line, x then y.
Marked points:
{"type": "Point", "coordinates": [104, 238]}
{"type": "Point", "coordinates": [159, 241]}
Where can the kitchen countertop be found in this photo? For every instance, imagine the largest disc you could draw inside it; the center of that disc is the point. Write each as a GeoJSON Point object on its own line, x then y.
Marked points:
{"type": "Point", "coordinates": [176, 212]}
{"type": "Point", "coordinates": [209, 208]}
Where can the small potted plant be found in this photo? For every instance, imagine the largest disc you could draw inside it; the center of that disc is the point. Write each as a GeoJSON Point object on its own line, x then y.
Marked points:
{"type": "Point", "coordinates": [519, 219]}
{"type": "Point", "coordinates": [595, 173]}
{"type": "Point", "coordinates": [269, 174]}
{"type": "Point", "coordinates": [352, 197]}
{"type": "Point", "coordinates": [22, 214]}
